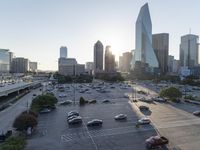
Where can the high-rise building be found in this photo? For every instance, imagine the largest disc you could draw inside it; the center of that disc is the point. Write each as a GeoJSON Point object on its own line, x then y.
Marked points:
{"type": "Point", "coordinates": [109, 60]}
{"type": "Point", "coordinates": [4, 61]}
{"type": "Point", "coordinates": [98, 57]}
{"type": "Point", "coordinates": [20, 65]}
{"type": "Point", "coordinates": [189, 51]}
{"type": "Point", "coordinates": [125, 62]}
{"type": "Point", "coordinates": [33, 66]}
{"type": "Point", "coordinates": [170, 63]}
{"type": "Point", "coordinates": [160, 44]}
{"type": "Point", "coordinates": [63, 52]}
{"type": "Point", "coordinates": [11, 56]}
{"type": "Point", "coordinates": [144, 51]}
{"type": "Point", "coordinates": [173, 65]}
{"type": "Point", "coordinates": [89, 67]}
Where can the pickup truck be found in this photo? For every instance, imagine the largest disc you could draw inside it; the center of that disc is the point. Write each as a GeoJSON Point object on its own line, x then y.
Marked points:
{"type": "Point", "coordinates": [156, 141]}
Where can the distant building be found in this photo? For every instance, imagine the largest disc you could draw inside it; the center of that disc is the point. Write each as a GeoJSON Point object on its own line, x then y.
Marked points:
{"type": "Point", "coordinates": [89, 67]}
{"type": "Point", "coordinates": [20, 65]}
{"type": "Point", "coordinates": [144, 51]}
{"type": "Point", "coordinates": [33, 66]}
{"type": "Point", "coordinates": [173, 65]}
{"type": "Point", "coordinates": [160, 44]}
{"type": "Point", "coordinates": [109, 60]}
{"type": "Point", "coordinates": [189, 51]}
{"type": "Point", "coordinates": [63, 52]}
{"type": "Point", "coordinates": [125, 62]}
{"type": "Point", "coordinates": [4, 61]}
{"type": "Point", "coordinates": [70, 67]}
{"type": "Point", "coordinates": [98, 57]}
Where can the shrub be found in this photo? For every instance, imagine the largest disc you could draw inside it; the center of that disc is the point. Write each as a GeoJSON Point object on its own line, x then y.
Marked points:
{"type": "Point", "coordinates": [24, 121]}
{"type": "Point", "coordinates": [14, 143]}
{"type": "Point", "coordinates": [82, 101]}
{"type": "Point", "coordinates": [171, 93]}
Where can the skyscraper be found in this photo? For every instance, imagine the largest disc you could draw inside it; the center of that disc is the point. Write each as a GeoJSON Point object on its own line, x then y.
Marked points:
{"type": "Point", "coordinates": [125, 62]}
{"type": "Point", "coordinates": [144, 53]}
{"type": "Point", "coordinates": [161, 48]}
{"type": "Point", "coordinates": [109, 60]}
{"type": "Point", "coordinates": [98, 57]}
{"type": "Point", "coordinates": [189, 51]}
{"type": "Point", "coordinates": [4, 61]}
{"type": "Point", "coordinates": [63, 52]}
{"type": "Point", "coordinates": [20, 65]}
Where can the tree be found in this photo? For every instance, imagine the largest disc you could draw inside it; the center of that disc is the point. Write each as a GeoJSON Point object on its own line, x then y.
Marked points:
{"type": "Point", "coordinates": [43, 101]}
{"type": "Point", "coordinates": [14, 143]}
{"type": "Point", "coordinates": [171, 93]}
{"type": "Point", "coordinates": [24, 121]}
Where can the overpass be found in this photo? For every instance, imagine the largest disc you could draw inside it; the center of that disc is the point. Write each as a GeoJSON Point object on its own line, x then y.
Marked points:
{"type": "Point", "coordinates": [8, 89]}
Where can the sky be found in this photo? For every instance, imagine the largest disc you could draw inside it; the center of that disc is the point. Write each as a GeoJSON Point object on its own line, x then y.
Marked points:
{"type": "Point", "coordinates": [35, 29]}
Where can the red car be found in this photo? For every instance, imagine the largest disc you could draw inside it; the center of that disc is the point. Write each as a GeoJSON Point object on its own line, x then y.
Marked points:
{"type": "Point", "coordinates": [156, 141]}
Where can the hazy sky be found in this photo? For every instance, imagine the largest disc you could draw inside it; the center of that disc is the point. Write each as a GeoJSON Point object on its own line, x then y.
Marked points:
{"type": "Point", "coordinates": [36, 29]}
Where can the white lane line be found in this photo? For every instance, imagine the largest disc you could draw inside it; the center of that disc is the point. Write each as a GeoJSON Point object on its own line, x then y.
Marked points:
{"type": "Point", "coordinates": [95, 145]}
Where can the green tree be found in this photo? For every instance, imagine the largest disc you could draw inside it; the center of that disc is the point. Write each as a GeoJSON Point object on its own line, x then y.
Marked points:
{"type": "Point", "coordinates": [171, 93]}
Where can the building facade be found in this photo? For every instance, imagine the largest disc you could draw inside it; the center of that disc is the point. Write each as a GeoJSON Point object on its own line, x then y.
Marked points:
{"type": "Point", "coordinates": [144, 51]}
{"type": "Point", "coordinates": [4, 61]}
{"type": "Point", "coordinates": [89, 67]}
{"type": "Point", "coordinates": [125, 62]}
{"type": "Point", "coordinates": [20, 65]}
{"type": "Point", "coordinates": [189, 47]}
{"type": "Point", "coordinates": [33, 66]}
{"type": "Point", "coordinates": [63, 52]}
{"type": "Point", "coordinates": [109, 60]}
{"type": "Point", "coordinates": [98, 57]}
{"type": "Point", "coordinates": [160, 44]}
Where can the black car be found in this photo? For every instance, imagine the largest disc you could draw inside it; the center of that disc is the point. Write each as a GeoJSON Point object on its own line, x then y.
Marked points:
{"type": "Point", "coordinates": [196, 113]}
{"type": "Point", "coordinates": [143, 108]}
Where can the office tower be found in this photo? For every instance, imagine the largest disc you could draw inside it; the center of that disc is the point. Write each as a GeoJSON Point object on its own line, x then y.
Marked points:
{"type": "Point", "coordinates": [170, 63]}
{"type": "Point", "coordinates": [189, 51]}
{"type": "Point", "coordinates": [63, 52]}
{"type": "Point", "coordinates": [4, 61]}
{"type": "Point", "coordinates": [109, 60]}
{"type": "Point", "coordinates": [11, 56]}
{"type": "Point", "coordinates": [33, 66]}
{"type": "Point", "coordinates": [144, 52]}
{"type": "Point", "coordinates": [125, 62]}
{"type": "Point", "coordinates": [160, 44]}
{"type": "Point", "coordinates": [20, 65]}
{"type": "Point", "coordinates": [98, 57]}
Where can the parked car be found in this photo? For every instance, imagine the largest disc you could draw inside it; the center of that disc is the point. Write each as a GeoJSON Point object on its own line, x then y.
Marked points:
{"type": "Point", "coordinates": [159, 99]}
{"type": "Point", "coordinates": [196, 113]}
{"type": "Point", "coordinates": [156, 141]}
{"type": "Point", "coordinates": [106, 101]}
{"type": "Point", "coordinates": [121, 117]}
{"type": "Point", "coordinates": [72, 113]}
{"type": "Point", "coordinates": [143, 108]}
{"type": "Point", "coordinates": [62, 95]}
{"type": "Point", "coordinates": [144, 120]}
{"type": "Point", "coordinates": [76, 120]}
{"type": "Point", "coordinates": [34, 95]}
{"type": "Point", "coordinates": [67, 102]}
{"type": "Point", "coordinates": [95, 122]}
{"type": "Point", "coordinates": [92, 101]}
{"type": "Point", "coordinates": [45, 110]}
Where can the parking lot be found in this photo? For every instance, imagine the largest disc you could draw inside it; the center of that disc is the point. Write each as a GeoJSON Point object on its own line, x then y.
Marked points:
{"type": "Point", "coordinates": [53, 131]}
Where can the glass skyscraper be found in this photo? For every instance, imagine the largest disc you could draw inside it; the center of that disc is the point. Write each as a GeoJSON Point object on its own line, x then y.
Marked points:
{"type": "Point", "coordinates": [144, 53]}
{"type": "Point", "coordinates": [189, 51]}
{"type": "Point", "coordinates": [4, 61]}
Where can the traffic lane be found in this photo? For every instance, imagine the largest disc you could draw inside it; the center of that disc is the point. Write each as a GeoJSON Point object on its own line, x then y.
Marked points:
{"type": "Point", "coordinates": [9, 114]}
{"type": "Point", "coordinates": [126, 141]}
{"type": "Point", "coordinates": [186, 106]}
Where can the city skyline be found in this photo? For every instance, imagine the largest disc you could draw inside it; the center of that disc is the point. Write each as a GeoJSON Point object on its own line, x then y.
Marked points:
{"type": "Point", "coordinates": [41, 28]}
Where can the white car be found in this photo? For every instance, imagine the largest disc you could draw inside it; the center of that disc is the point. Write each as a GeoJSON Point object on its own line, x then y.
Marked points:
{"type": "Point", "coordinates": [144, 120]}
{"type": "Point", "coordinates": [62, 95]}
{"type": "Point", "coordinates": [76, 120]}
{"type": "Point", "coordinates": [121, 117]}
